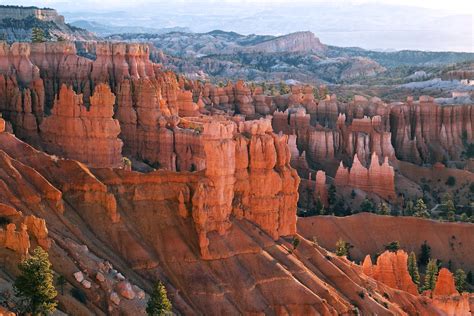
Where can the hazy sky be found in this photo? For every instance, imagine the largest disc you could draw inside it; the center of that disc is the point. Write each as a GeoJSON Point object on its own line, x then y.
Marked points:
{"type": "Point", "coordinates": [462, 6]}
{"type": "Point", "coordinates": [375, 24]}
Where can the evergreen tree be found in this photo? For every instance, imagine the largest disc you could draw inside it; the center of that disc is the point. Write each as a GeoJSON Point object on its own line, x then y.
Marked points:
{"type": "Point", "coordinates": [37, 35]}
{"type": "Point", "coordinates": [420, 209]}
{"type": "Point", "coordinates": [61, 282]}
{"type": "Point", "coordinates": [353, 194]}
{"type": "Point", "coordinates": [158, 304]}
{"type": "Point", "coordinates": [394, 246]}
{"type": "Point", "coordinates": [460, 280]}
{"type": "Point", "coordinates": [296, 241]}
{"type": "Point", "coordinates": [409, 208]}
{"type": "Point", "coordinates": [35, 283]}
{"type": "Point", "coordinates": [319, 207]}
{"type": "Point", "coordinates": [431, 275]}
{"type": "Point", "coordinates": [366, 206]}
{"type": "Point", "coordinates": [332, 194]}
{"type": "Point", "coordinates": [451, 217]}
{"type": "Point", "coordinates": [342, 248]}
{"type": "Point", "coordinates": [469, 277]}
{"type": "Point", "coordinates": [284, 88]}
{"type": "Point", "coordinates": [383, 209]}
{"type": "Point", "coordinates": [464, 217]}
{"type": "Point", "coordinates": [413, 268]}
{"type": "Point", "coordinates": [425, 253]}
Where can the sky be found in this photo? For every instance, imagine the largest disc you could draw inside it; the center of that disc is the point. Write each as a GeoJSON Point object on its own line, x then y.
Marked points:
{"type": "Point", "coordinates": [461, 6]}
{"type": "Point", "coordinates": [435, 25]}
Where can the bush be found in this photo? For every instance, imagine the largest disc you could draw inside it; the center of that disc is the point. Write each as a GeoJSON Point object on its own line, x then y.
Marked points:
{"type": "Point", "coordinates": [451, 181]}
{"type": "Point", "coordinates": [367, 206]}
{"type": "Point", "coordinates": [393, 246]}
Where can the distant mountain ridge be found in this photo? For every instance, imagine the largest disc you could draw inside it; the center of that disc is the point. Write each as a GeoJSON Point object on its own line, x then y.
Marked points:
{"type": "Point", "coordinates": [16, 23]}
{"type": "Point", "coordinates": [220, 42]}
{"type": "Point", "coordinates": [106, 29]}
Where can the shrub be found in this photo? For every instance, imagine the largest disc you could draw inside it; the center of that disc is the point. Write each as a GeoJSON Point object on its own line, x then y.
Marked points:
{"type": "Point", "coordinates": [451, 181]}
{"type": "Point", "coordinates": [342, 248]}
{"type": "Point", "coordinates": [393, 246]}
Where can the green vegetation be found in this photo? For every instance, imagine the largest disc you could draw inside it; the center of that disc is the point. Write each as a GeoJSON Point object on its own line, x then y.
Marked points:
{"type": "Point", "coordinates": [413, 268]}
{"type": "Point", "coordinates": [37, 35]}
{"type": "Point", "coordinates": [295, 242]}
{"type": "Point", "coordinates": [460, 280]}
{"type": "Point", "coordinates": [431, 275]}
{"type": "Point", "coordinates": [409, 208]}
{"type": "Point", "coordinates": [420, 209]}
{"type": "Point", "coordinates": [342, 248]}
{"type": "Point", "coordinates": [451, 181]}
{"type": "Point", "coordinates": [35, 283]}
{"type": "Point", "coordinates": [158, 304]}
{"type": "Point", "coordinates": [393, 246]}
{"type": "Point", "coordinates": [332, 194]}
{"type": "Point", "coordinates": [425, 254]}
{"type": "Point", "coordinates": [367, 206]}
{"type": "Point", "coordinates": [383, 209]}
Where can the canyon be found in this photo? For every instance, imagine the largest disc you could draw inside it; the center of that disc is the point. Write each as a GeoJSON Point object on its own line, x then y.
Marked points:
{"type": "Point", "coordinates": [128, 173]}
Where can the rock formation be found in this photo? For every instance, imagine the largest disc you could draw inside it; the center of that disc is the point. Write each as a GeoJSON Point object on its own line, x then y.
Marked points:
{"type": "Point", "coordinates": [88, 135]}
{"type": "Point", "coordinates": [392, 270]}
{"type": "Point", "coordinates": [379, 179]}
{"type": "Point", "coordinates": [445, 284]}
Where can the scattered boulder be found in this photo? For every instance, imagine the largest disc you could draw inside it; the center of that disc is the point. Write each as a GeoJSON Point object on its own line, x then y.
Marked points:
{"type": "Point", "coordinates": [79, 276]}
{"type": "Point", "coordinates": [125, 289]}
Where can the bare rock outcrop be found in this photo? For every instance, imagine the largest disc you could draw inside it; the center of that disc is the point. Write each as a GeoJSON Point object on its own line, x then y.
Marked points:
{"type": "Point", "coordinates": [392, 270]}
{"type": "Point", "coordinates": [88, 135]}
{"type": "Point", "coordinates": [379, 179]}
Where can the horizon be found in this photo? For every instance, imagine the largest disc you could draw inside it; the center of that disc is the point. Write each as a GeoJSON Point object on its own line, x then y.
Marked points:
{"type": "Point", "coordinates": [383, 25]}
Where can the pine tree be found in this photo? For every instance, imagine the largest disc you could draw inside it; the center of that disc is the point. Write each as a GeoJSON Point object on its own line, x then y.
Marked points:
{"type": "Point", "coordinates": [409, 208]}
{"type": "Point", "coordinates": [420, 209]}
{"type": "Point", "coordinates": [431, 275]}
{"type": "Point", "coordinates": [35, 283]}
{"type": "Point", "coordinates": [425, 253]}
{"type": "Point", "coordinates": [295, 242]}
{"type": "Point", "coordinates": [332, 194]}
{"type": "Point", "coordinates": [383, 209]}
{"type": "Point", "coordinates": [460, 280]}
{"type": "Point", "coordinates": [37, 35]}
{"type": "Point", "coordinates": [413, 268]}
{"type": "Point", "coordinates": [366, 206]}
{"type": "Point", "coordinates": [394, 246]}
{"type": "Point", "coordinates": [319, 207]}
{"type": "Point", "coordinates": [342, 248]}
{"type": "Point", "coordinates": [158, 304]}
